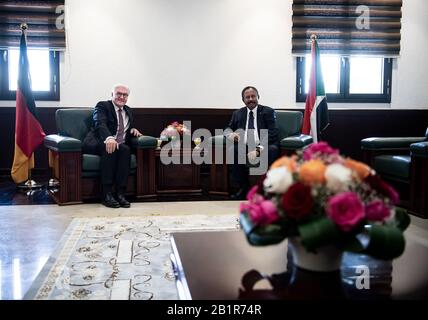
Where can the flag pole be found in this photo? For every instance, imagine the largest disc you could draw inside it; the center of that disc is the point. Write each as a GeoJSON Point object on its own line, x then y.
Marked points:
{"type": "Point", "coordinates": [29, 184]}
{"type": "Point", "coordinates": [313, 39]}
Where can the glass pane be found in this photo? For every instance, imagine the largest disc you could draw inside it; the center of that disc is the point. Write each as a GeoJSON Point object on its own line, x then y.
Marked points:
{"type": "Point", "coordinates": [39, 69]}
{"type": "Point", "coordinates": [366, 75]}
{"type": "Point", "coordinates": [330, 66]}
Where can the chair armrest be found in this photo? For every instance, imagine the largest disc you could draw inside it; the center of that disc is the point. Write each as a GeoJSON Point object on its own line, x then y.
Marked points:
{"type": "Point", "coordinates": [217, 141]}
{"type": "Point", "coordinates": [389, 143]}
{"type": "Point", "coordinates": [144, 142]}
{"type": "Point", "coordinates": [419, 149]}
{"type": "Point", "coordinates": [59, 143]}
{"type": "Point", "coordinates": [296, 142]}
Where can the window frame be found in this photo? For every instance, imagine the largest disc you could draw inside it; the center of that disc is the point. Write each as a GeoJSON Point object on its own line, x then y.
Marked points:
{"type": "Point", "coordinates": [52, 95]}
{"type": "Point", "coordinates": [344, 95]}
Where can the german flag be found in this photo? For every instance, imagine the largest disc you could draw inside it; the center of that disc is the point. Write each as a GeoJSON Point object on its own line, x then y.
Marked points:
{"type": "Point", "coordinates": [28, 131]}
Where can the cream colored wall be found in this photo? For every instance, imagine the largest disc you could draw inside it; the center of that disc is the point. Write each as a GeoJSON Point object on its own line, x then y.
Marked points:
{"type": "Point", "coordinates": [201, 53]}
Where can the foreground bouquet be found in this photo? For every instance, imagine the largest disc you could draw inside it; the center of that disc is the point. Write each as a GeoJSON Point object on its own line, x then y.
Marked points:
{"type": "Point", "coordinates": [324, 198]}
{"type": "Point", "coordinates": [173, 131]}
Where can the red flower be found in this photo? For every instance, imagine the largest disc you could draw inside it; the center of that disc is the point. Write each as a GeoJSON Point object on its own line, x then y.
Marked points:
{"type": "Point", "coordinates": [383, 188]}
{"type": "Point", "coordinates": [297, 201]}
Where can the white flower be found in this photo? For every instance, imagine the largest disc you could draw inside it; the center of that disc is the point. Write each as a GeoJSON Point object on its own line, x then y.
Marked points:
{"type": "Point", "coordinates": [338, 177]}
{"type": "Point", "coordinates": [278, 180]}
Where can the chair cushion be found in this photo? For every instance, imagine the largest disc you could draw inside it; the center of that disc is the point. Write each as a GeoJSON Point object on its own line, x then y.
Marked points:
{"type": "Point", "coordinates": [91, 162]}
{"type": "Point", "coordinates": [393, 166]}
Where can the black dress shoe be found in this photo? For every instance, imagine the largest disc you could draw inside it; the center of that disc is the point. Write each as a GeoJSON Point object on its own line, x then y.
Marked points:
{"type": "Point", "coordinates": [110, 202]}
{"type": "Point", "coordinates": [240, 195]}
{"type": "Point", "coordinates": [122, 201]}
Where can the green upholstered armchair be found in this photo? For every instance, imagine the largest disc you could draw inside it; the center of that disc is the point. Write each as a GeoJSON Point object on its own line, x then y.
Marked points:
{"type": "Point", "coordinates": [289, 125]}
{"type": "Point", "coordinates": [402, 161]}
{"type": "Point", "coordinates": [78, 173]}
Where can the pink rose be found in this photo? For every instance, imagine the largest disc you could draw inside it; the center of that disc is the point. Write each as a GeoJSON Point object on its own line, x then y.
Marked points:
{"type": "Point", "coordinates": [253, 196]}
{"type": "Point", "coordinates": [319, 149]}
{"type": "Point", "coordinates": [377, 211]}
{"type": "Point", "coordinates": [261, 213]}
{"type": "Point", "coordinates": [346, 210]}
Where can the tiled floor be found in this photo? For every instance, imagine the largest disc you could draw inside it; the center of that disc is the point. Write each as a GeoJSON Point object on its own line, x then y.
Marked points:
{"type": "Point", "coordinates": [29, 233]}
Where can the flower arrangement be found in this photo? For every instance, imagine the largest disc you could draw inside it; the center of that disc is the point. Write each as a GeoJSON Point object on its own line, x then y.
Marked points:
{"type": "Point", "coordinates": [173, 131]}
{"type": "Point", "coordinates": [324, 198]}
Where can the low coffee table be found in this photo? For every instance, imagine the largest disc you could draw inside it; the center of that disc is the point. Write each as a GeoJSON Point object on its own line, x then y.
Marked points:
{"type": "Point", "coordinates": [222, 265]}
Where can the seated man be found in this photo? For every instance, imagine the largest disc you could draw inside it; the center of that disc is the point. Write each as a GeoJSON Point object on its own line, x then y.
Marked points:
{"type": "Point", "coordinates": [244, 130]}
{"type": "Point", "coordinates": [110, 139]}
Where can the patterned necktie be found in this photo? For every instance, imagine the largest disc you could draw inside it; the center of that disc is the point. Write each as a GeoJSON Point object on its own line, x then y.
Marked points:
{"type": "Point", "coordinates": [120, 131]}
{"type": "Point", "coordinates": [251, 141]}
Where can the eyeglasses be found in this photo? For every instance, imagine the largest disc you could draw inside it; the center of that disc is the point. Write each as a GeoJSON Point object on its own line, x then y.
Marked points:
{"type": "Point", "coordinates": [120, 94]}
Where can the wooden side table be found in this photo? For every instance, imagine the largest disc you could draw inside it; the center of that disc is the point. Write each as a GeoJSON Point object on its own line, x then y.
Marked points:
{"type": "Point", "coordinates": [178, 180]}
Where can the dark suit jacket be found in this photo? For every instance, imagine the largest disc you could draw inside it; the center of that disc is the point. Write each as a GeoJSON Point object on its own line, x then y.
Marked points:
{"type": "Point", "coordinates": [104, 125]}
{"type": "Point", "coordinates": [266, 119]}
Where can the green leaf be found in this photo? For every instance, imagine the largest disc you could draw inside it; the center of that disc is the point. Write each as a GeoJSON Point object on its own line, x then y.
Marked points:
{"type": "Point", "coordinates": [402, 219]}
{"type": "Point", "coordinates": [386, 242]}
{"type": "Point", "coordinates": [261, 235]}
{"type": "Point", "coordinates": [352, 244]}
{"type": "Point", "coordinates": [318, 232]}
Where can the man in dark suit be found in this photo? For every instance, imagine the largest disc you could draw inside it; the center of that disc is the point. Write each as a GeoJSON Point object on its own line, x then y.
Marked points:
{"type": "Point", "coordinates": [245, 130]}
{"type": "Point", "coordinates": [110, 138]}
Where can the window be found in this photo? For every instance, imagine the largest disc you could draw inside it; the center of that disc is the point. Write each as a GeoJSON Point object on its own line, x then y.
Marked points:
{"type": "Point", "coordinates": [44, 70]}
{"type": "Point", "coordinates": [348, 79]}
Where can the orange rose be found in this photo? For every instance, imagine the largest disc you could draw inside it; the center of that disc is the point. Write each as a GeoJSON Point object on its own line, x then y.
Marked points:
{"type": "Point", "coordinates": [360, 168]}
{"type": "Point", "coordinates": [312, 172]}
{"type": "Point", "coordinates": [289, 163]}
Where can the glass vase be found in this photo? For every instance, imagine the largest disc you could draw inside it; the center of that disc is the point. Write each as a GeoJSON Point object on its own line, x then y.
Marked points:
{"type": "Point", "coordinates": [325, 259]}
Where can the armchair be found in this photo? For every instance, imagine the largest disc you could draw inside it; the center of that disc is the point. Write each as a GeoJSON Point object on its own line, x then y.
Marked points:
{"type": "Point", "coordinates": [403, 162]}
{"type": "Point", "coordinates": [78, 173]}
{"type": "Point", "coordinates": [289, 125]}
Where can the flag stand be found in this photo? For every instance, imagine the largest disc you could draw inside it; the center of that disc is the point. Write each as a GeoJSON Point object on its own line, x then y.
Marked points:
{"type": "Point", "coordinates": [53, 183]}
{"type": "Point", "coordinates": [30, 184]}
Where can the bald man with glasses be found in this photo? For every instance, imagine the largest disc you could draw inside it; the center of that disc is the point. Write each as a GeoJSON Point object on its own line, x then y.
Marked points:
{"type": "Point", "coordinates": [110, 139]}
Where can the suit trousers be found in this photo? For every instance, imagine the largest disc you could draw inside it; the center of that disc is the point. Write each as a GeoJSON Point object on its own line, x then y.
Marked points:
{"type": "Point", "coordinates": [114, 167]}
{"type": "Point", "coordinates": [240, 172]}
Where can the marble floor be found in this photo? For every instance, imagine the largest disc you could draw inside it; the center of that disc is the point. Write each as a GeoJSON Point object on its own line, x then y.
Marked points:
{"type": "Point", "coordinates": [29, 233]}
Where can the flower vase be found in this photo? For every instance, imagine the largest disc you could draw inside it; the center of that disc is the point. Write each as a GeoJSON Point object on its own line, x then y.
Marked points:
{"type": "Point", "coordinates": [325, 259]}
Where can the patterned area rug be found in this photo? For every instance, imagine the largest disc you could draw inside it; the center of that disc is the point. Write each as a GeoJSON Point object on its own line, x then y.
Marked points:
{"type": "Point", "coordinates": [122, 258]}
